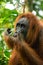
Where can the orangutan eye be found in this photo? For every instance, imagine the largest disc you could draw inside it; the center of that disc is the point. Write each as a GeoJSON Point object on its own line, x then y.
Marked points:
{"type": "Point", "coordinates": [18, 25]}
{"type": "Point", "coordinates": [23, 25]}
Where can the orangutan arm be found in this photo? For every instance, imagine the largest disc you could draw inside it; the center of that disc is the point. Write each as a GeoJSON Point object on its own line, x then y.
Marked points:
{"type": "Point", "coordinates": [9, 40]}
{"type": "Point", "coordinates": [31, 55]}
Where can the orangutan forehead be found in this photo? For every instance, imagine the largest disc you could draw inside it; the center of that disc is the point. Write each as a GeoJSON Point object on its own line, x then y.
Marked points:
{"type": "Point", "coordinates": [23, 20]}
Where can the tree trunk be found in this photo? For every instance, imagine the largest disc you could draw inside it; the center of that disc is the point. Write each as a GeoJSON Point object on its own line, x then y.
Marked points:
{"type": "Point", "coordinates": [30, 5]}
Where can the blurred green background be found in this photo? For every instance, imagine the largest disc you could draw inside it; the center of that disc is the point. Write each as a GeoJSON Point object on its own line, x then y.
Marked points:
{"type": "Point", "coordinates": [9, 10]}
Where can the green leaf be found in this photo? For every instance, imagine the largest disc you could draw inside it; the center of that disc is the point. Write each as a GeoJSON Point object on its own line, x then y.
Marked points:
{"type": "Point", "coordinates": [1, 20]}
{"type": "Point", "coordinates": [7, 53]}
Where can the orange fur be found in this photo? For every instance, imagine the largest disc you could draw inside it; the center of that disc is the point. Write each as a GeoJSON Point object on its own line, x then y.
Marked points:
{"type": "Point", "coordinates": [32, 51]}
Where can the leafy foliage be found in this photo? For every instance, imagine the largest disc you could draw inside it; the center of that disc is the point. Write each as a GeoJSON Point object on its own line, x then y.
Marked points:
{"type": "Point", "coordinates": [7, 18]}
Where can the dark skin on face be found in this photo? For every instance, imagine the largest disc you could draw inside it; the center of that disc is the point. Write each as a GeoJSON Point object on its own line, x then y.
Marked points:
{"type": "Point", "coordinates": [21, 27]}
